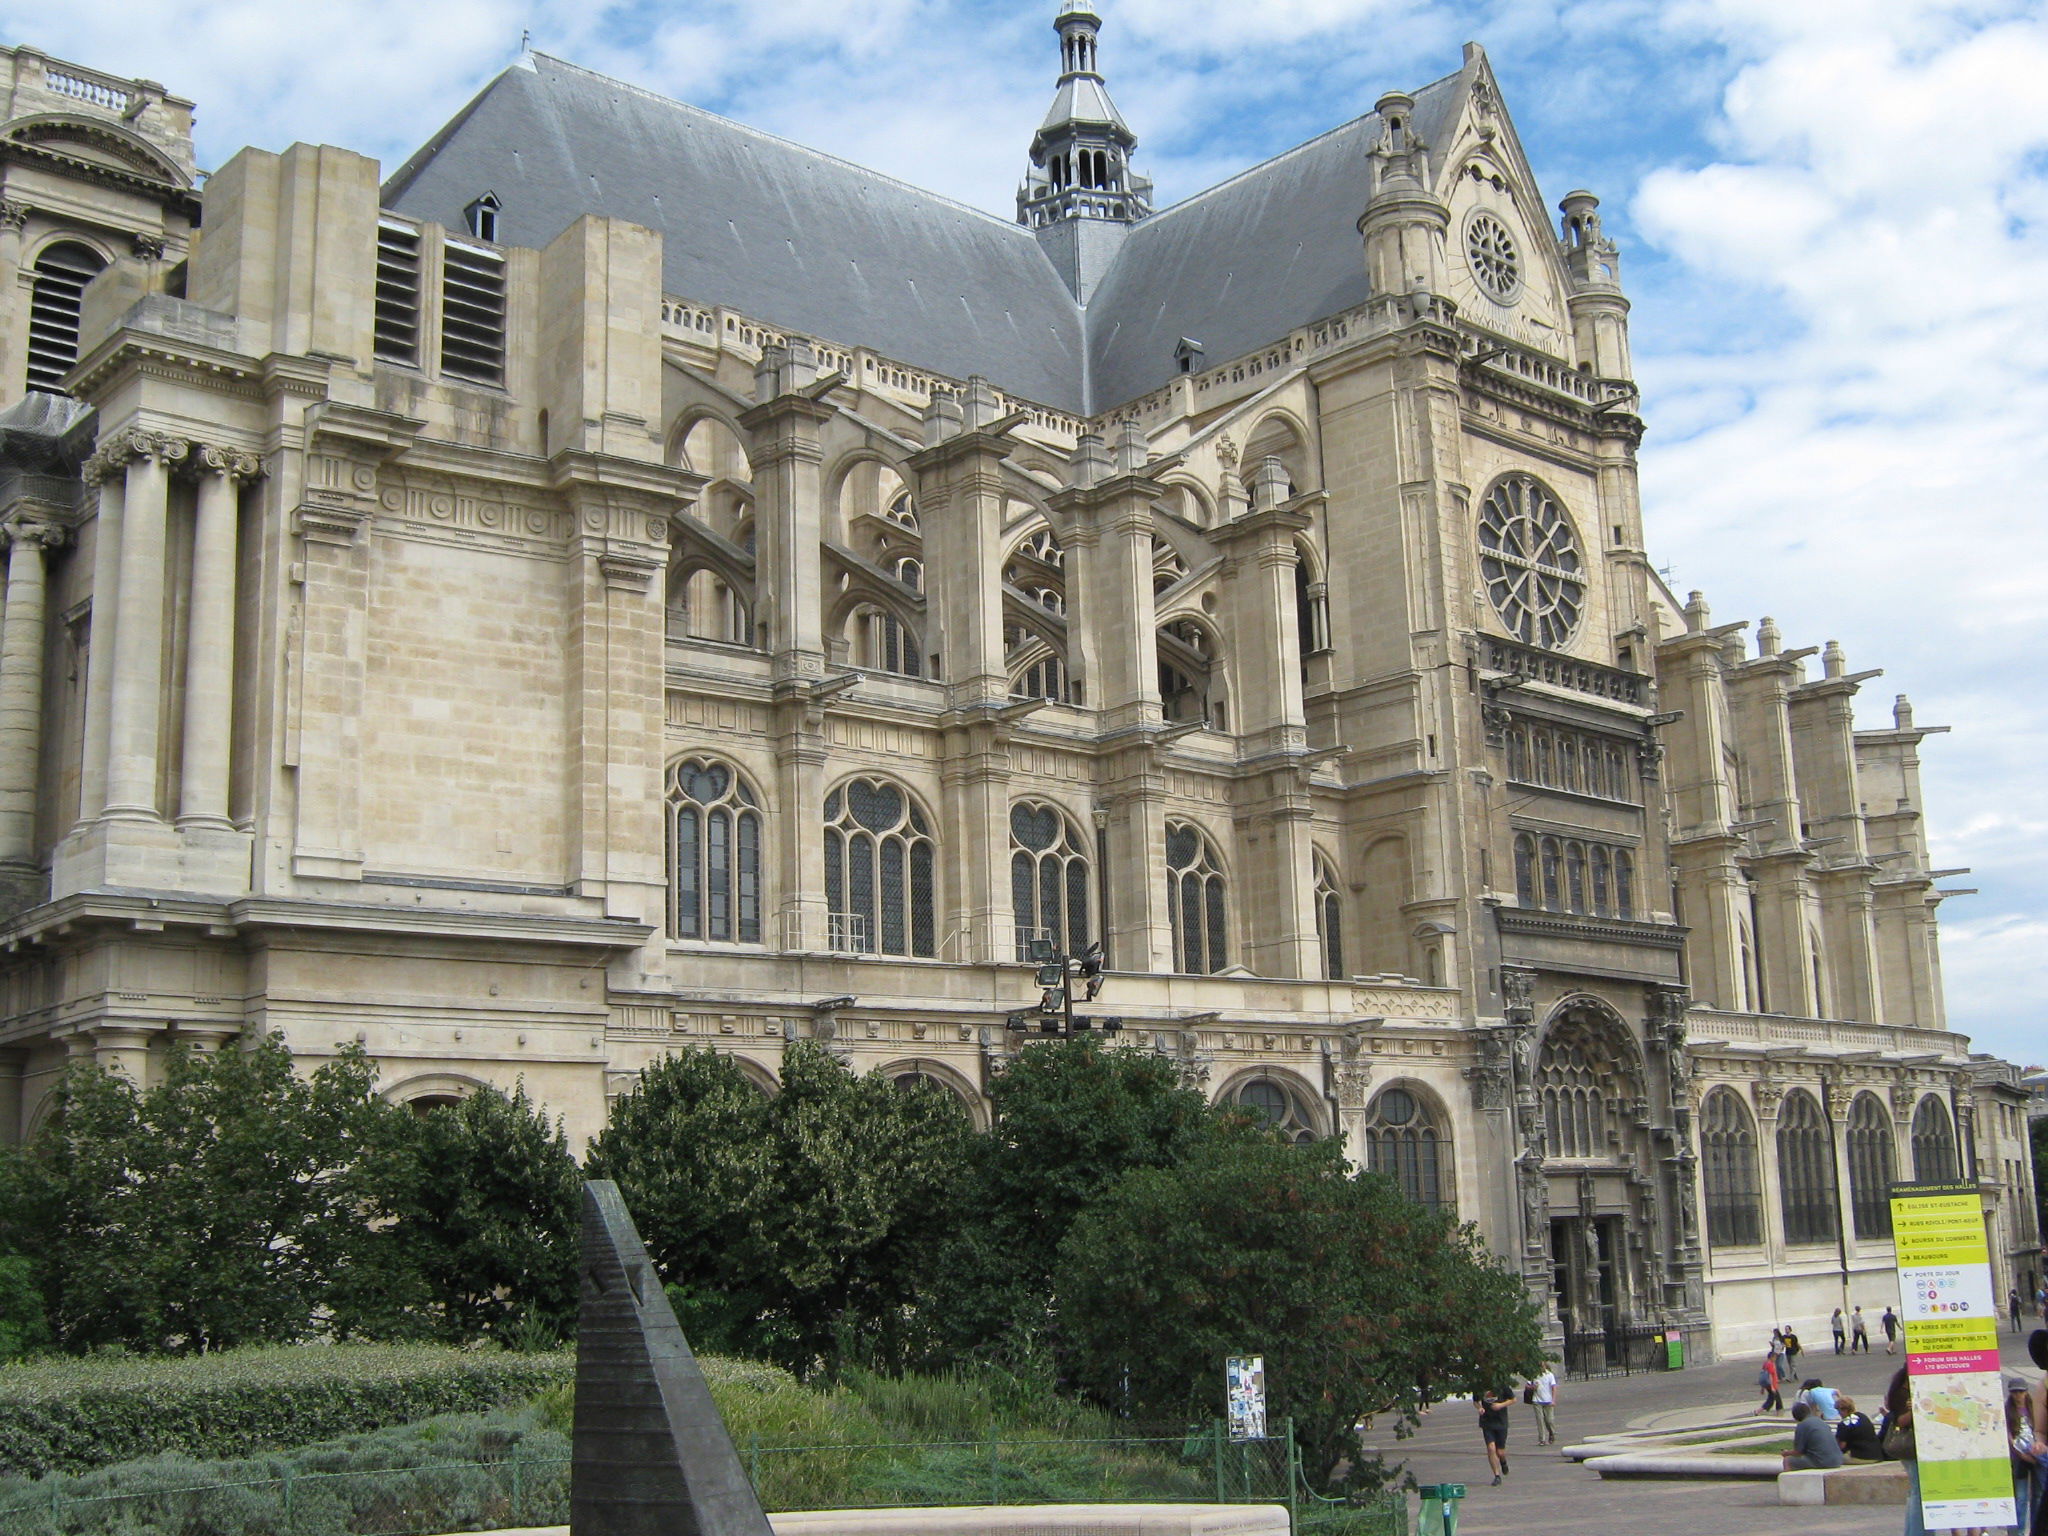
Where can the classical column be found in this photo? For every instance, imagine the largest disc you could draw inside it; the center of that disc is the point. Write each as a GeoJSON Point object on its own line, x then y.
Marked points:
{"type": "Point", "coordinates": [21, 685]}
{"type": "Point", "coordinates": [210, 642]}
{"type": "Point", "coordinates": [109, 469]}
{"type": "Point", "coordinates": [137, 693]}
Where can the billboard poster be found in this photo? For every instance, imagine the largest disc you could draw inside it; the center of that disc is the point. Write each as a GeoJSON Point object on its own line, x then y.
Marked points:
{"type": "Point", "coordinates": [1952, 1355]}
{"type": "Point", "coordinates": [1245, 1378]}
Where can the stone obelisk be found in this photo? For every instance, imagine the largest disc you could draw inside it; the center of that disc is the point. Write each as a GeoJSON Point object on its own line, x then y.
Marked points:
{"type": "Point", "coordinates": [652, 1456]}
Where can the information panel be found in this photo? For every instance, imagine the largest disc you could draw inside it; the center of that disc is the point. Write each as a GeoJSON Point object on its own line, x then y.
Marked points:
{"type": "Point", "coordinates": [1952, 1355]}
{"type": "Point", "coordinates": [1245, 1376]}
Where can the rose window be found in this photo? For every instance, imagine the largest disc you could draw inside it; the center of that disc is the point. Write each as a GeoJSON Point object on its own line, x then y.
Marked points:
{"type": "Point", "coordinates": [1495, 261]}
{"type": "Point", "coordinates": [1530, 561]}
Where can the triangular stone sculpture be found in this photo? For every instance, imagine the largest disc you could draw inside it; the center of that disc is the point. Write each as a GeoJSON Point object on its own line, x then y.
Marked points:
{"type": "Point", "coordinates": [652, 1456]}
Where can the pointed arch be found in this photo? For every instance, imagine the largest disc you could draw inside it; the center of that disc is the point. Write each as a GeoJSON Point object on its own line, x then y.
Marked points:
{"type": "Point", "coordinates": [1589, 1076]}
{"type": "Point", "coordinates": [716, 852]}
{"type": "Point", "coordinates": [881, 869]}
{"type": "Point", "coordinates": [1934, 1143]}
{"type": "Point", "coordinates": [1806, 1170]}
{"type": "Point", "coordinates": [1329, 918]}
{"type": "Point", "coordinates": [1873, 1166]}
{"type": "Point", "coordinates": [1731, 1187]}
{"type": "Point", "coordinates": [1191, 672]}
{"type": "Point", "coordinates": [1197, 892]}
{"type": "Point", "coordinates": [1051, 878]}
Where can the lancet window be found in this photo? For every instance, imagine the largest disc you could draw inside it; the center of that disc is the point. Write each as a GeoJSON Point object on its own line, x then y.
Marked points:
{"type": "Point", "coordinates": [880, 871]}
{"type": "Point", "coordinates": [1195, 900]}
{"type": "Point", "coordinates": [881, 642]}
{"type": "Point", "coordinates": [1873, 1164]}
{"type": "Point", "coordinates": [714, 854]}
{"type": "Point", "coordinates": [1329, 920]}
{"type": "Point", "coordinates": [1934, 1143]}
{"type": "Point", "coordinates": [1049, 879]}
{"type": "Point", "coordinates": [1577, 762]}
{"type": "Point", "coordinates": [1728, 1172]}
{"type": "Point", "coordinates": [1806, 1170]}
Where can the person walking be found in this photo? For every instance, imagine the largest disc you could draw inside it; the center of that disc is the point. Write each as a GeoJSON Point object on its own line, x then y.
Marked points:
{"type": "Point", "coordinates": [1890, 1324]}
{"type": "Point", "coordinates": [1838, 1326]}
{"type": "Point", "coordinates": [1793, 1350]}
{"type": "Point", "coordinates": [1859, 1333]}
{"type": "Point", "coordinates": [2012, 1305]}
{"type": "Point", "coordinates": [1767, 1379]}
{"type": "Point", "coordinates": [1493, 1430]}
{"type": "Point", "coordinates": [1542, 1395]}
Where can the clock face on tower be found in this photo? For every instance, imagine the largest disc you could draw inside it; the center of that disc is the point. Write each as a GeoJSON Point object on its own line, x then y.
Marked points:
{"type": "Point", "coordinates": [1529, 561]}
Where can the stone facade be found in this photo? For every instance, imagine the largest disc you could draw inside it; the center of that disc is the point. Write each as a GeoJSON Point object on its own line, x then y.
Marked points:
{"type": "Point", "coordinates": [480, 651]}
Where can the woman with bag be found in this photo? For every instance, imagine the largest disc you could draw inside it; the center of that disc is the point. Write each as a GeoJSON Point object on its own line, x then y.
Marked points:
{"type": "Point", "coordinates": [1767, 1379]}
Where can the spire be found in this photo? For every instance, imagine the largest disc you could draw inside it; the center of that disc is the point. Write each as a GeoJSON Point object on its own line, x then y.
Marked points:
{"type": "Point", "coordinates": [1080, 194]}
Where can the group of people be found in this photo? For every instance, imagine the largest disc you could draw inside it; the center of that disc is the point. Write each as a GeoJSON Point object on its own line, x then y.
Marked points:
{"type": "Point", "coordinates": [1852, 1333]}
{"type": "Point", "coordinates": [1781, 1360]}
{"type": "Point", "coordinates": [1540, 1393]}
{"type": "Point", "coordinates": [1829, 1429]}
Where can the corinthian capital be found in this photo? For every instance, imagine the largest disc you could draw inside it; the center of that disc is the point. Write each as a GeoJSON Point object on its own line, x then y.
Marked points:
{"type": "Point", "coordinates": [13, 215]}
{"type": "Point", "coordinates": [34, 531]}
{"type": "Point", "coordinates": [116, 453]}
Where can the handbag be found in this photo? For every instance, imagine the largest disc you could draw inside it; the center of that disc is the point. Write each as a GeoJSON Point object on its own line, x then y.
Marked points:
{"type": "Point", "coordinates": [1898, 1440]}
{"type": "Point", "coordinates": [1529, 1393]}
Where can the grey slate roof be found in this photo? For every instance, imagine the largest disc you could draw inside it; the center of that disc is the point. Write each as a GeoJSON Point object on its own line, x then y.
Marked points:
{"type": "Point", "coordinates": [816, 245]}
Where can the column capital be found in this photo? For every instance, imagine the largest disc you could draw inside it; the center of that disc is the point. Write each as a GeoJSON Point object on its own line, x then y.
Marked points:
{"type": "Point", "coordinates": [115, 453]}
{"type": "Point", "coordinates": [232, 463]}
{"type": "Point", "coordinates": [13, 215]}
{"type": "Point", "coordinates": [36, 532]}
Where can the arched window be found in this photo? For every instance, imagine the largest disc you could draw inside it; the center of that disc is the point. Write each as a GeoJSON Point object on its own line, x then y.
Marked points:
{"type": "Point", "coordinates": [1544, 772]}
{"type": "Point", "coordinates": [1518, 753]}
{"type": "Point", "coordinates": [1806, 1170]}
{"type": "Point", "coordinates": [1279, 1106]}
{"type": "Point", "coordinates": [1575, 874]}
{"type": "Point", "coordinates": [714, 854]}
{"type": "Point", "coordinates": [910, 571]}
{"type": "Point", "coordinates": [1728, 1170]}
{"type": "Point", "coordinates": [1873, 1163]}
{"type": "Point", "coordinates": [1603, 871]}
{"type": "Point", "coordinates": [879, 871]}
{"type": "Point", "coordinates": [1405, 1141]}
{"type": "Point", "coordinates": [1311, 607]}
{"type": "Point", "coordinates": [1624, 883]}
{"type": "Point", "coordinates": [1194, 899]}
{"type": "Point", "coordinates": [1934, 1143]}
{"type": "Point", "coordinates": [1573, 1086]}
{"type": "Point", "coordinates": [1618, 775]}
{"type": "Point", "coordinates": [55, 301]}
{"type": "Point", "coordinates": [1568, 763]}
{"type": "Point", "coordinates": [1525, 870]}
{"type": "Point", "coordinates": [883, 643]}
{"type": "Point", "coordinates": [1048, 879]}
{"type": "Point", "coordinates": [1553, 892]}
{"type": "Point", "coordinates": [1329, 920]}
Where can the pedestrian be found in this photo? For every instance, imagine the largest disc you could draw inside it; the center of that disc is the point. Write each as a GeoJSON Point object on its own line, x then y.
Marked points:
{"type": "Point", "coordinates": [1767, 1380]}
{"type": "Point", "coordinates": [1859, 1333]}
{"type": "Point", "coordinates": [1839, 1328]}
{"type": "Point", "coordinates": [1493, 1429]}
{"type": "Point", "coordinates": [1855, 1434]}
{"type": "Point", "coordinates": [1813, 1446]}
{"type": "Point", "coordinates": [1541, 1394]}
{"type": "Point", "coordinates": [1890, 1324]}
{"type": "Point", "coordinates": [1899, 1445]}
{"type": "Point", "coordinates": [1793, 1350]}
{"type": "Point", "coordinates": [2012, 1305]}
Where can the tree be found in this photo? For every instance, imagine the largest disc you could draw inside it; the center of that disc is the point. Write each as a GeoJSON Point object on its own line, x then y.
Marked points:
{"type": "Point", "coordinates": [205, 1212]}
{"type": "Point", "coordinates": [1358, 1298]}
{"type": "Point", "coordinates": [1071, 1118]}
{"type": "Point", "coordinates": [473, 1212]}
{"type": "Point", "coordinates": [2037, 1136]}
{"type": "Point", "coordinates": [795, 1228]}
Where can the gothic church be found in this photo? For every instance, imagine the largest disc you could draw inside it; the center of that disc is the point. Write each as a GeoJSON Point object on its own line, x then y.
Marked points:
{"type": "Point", "coordinates": [624, 581]}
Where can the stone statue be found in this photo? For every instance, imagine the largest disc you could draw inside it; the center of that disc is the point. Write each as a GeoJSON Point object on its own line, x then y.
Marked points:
{"type": "Point", "coordinates": [651, 1455]}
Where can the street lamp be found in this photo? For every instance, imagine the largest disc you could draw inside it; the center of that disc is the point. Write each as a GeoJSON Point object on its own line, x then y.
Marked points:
{"type": "Point", "coordinates": [1056, 976]}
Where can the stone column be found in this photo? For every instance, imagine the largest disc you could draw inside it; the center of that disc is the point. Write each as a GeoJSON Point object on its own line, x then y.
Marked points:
{"type": "Point", "coordinates": [109, 469]}
{"type": "Point", "coordinates": [21, 686]}
{"type": "Point", "coordinates": [210, 643]}
{"type": "Point", "coordinates": [137, 694]}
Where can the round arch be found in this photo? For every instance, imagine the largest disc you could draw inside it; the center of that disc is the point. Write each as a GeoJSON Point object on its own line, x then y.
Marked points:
{"type": "Point", "coordinates": [952, 1079]}
{"type": "Point", "coordinates": [103, 140]}
{"type": "Point", "coordinates": [1284, 1099]}
{"type": "Point", "coordinates": [1407, 1135]}
{"type": "Point", "coordinates": [425, 1089]}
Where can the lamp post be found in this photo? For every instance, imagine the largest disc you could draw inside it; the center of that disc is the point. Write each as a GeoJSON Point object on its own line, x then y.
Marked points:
{"type": "Point", "coordinates": [1057, 974]}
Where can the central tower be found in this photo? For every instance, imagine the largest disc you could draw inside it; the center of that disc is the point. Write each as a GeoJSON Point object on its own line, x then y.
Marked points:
{"type": "Point", "coordinates": [1081, 196]}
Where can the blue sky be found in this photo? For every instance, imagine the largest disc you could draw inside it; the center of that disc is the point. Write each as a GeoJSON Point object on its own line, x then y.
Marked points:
{"type": "Point", "coordinates": [1834, 216]}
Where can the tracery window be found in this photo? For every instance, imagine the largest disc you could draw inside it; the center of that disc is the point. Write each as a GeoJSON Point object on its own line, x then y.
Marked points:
{"type": "Point", "coordinates": [1329, 920]}
{"type": "Point", "coordinates": [1806, 1170]}
{"type": "Point", "coordinates": [1553, 887]}
{"type": "Point", "coordinates": [1873, 1163]}
{"type": "Point", "coordinates": [1049, 879]}
{"type": "Point", "coordinates": [1037, 671]}
{"type": "Point", "coordinates": [1279, 1106]}
{"type": "Point", "coordinates": [714, 854]}
{"type": "Point", "coordinates": [1405, 1140]}
{"type": "Point", "coordinates": [1195, 901]}
{"type": "Point", "coordinates": [1525, 870]}
{"type": "Point", "coordinates": [1529, 560]}
{"type": "Point", "coordinates": [1603, 880]}
{"type": "Point", "coordinates": [1934, 1143]}
{"type": "Point", "coordinates": [880, 863]}
{"type": "Point", "coordinates": [1731, 1184]}
{"type": "Point", "coordinates": [902, 511]}
{"type": "Point", "coordinates": [1624, 883]}
{"type": "Point", "coordinates": [883, 643]}
{"type": "Point", "coordinates": [1578, 1076]}
{"type": "Point", "coordinates": [1579, 763]}
{"type": "Point", "coordinates": [1575, 874]}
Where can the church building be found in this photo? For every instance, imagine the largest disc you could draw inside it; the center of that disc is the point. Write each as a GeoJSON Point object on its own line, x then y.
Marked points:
{"type": "Point", "coordinates": [621, 581]}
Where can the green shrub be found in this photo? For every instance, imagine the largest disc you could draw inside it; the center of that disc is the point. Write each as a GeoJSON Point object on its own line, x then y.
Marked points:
{"type": "Point", "coordinates": [72, 1415]}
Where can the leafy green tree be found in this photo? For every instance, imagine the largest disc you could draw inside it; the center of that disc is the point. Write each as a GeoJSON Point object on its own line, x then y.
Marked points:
{"type": "Point", "coordinates": [1357, 1297]}
{"type": "Point", "coordinates": [23, 1326]}
{"type": "Point", "coordinates": [472, 1233]}
{"type": "Point", "coordinates": [206, 1212]}
{"type": "Point", "coordinates": [795, 1228]}
{"type": "Point", "coordinates": [1071, 1117]}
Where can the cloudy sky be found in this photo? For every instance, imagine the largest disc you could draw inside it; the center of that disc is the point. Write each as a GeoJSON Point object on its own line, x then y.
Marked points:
{"type": "Point", "coordinates": [1834, 216]}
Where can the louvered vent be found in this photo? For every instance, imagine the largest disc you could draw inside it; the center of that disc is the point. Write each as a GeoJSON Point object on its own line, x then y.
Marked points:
{"type": "Point", "coordinates": [398, 293]}
{"type": "Point", "coordinates": [56, 297]}
{"type": "Point", "coordinates": [473, 313]}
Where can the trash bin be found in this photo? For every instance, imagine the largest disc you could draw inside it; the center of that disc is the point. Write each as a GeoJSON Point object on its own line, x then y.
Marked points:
{"type": "Point", "coordinates": [1440, 1508]}
{"type": "Point", "coordinates": [1674, 1351]}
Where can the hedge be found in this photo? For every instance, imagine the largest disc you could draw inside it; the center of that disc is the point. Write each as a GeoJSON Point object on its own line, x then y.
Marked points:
{"type": "Point", "coordinates": [75, 1414]}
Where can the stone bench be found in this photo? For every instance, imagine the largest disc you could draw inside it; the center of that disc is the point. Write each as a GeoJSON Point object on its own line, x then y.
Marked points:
{"type": "Point", "coordinates": [1021, 1520]}
{"type": "Point", "coordinates": [1674, 1464]}
{"type": "Point", "coordinates": [1878, 1482]}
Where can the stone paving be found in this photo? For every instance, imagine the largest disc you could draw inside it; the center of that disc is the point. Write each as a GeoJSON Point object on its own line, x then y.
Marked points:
{"type": "Point", "coordinates": [1545, 1493]}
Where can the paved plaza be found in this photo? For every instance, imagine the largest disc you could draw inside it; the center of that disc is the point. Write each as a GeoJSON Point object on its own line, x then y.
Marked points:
{"type": "Point", "coordinates": [1544, 1492]}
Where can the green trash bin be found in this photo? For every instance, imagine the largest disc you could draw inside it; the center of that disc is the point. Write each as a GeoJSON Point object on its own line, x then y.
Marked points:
{"type": "Point", "coordinates": [1440, 1508]}
{"type": "Point", "coordinates": [1674, 1351]}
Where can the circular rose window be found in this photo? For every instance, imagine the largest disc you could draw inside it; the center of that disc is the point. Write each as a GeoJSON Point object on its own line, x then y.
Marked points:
{"type": "Point", "coordinates": [1530, 561]}
{"type": "Point", "coordinates": [1495, 259]}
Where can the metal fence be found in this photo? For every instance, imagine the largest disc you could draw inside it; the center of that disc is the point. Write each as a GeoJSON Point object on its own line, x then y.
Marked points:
{"type": "Point", "coordinates": [1626, 1349]}
{"type": "Point", "coordinates": [1202, 1466]}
